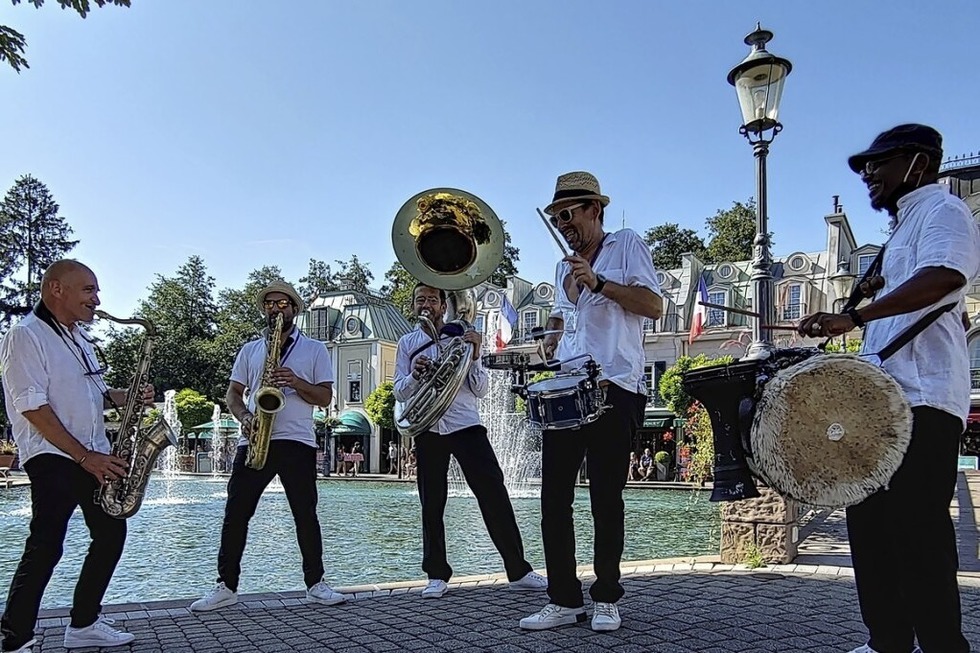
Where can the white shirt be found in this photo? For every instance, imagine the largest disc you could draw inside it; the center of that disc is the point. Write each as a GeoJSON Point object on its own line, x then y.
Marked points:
{"type": "Point", "coordinates": [41, 367]}
{"type": "Point", "coordinates": [464, 411]}
{"type": "Point", "coordinates": [934, 229]}
{"type": "Point", "coordinates": [309, 360]}
{"type": "Point", "coordinates": [598, 325]}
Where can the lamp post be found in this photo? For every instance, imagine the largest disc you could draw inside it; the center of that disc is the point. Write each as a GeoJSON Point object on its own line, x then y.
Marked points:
{"type": "Point", "coordinates": [758, 80]}
{"type": "Point", "coordinates": [843, 280]}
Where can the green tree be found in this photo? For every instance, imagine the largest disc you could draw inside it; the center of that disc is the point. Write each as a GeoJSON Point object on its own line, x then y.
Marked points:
{"type": "Point", "coordinates": [398, 289]}
{"type": "Point", "coordinates": [853, 346]}
{"type": "Point", "coordinates": [508, 264]}
{"type": "Point", "coordinates": [671, 381]}
{"type": "Point", "coordinates": [32, 237]}
{"type": "Point", "coordinates": [4, 418]}
{"type": "Point", "coordinates": [183, 310]}
{"type": "Point", "coordinates": [319, 278]}
{"type": "Point", "coordinates": [380, 405]}
{"type": "Point", "coordinates": [355, 274]}
{"type": "Point", "coordinates": [732, 233]}
{"type": "Point", "coordinates": [13, 43]}
{"type": "Point", "coordinates": [193, 408]}
{"type": "Point", "coordinates": [668, 243]}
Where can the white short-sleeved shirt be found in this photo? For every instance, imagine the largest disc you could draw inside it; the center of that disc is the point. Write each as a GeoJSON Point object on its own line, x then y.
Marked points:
{"type": "Point", "coordinates": [464, 411]}
{"type": "Point", "coordinates": [934, 229]}
{"type": "Point", "coordinates": [599, 326]}
{"type": "Point", "coordinates": [42, 367]}
{"type": "Point", "coordinates": [309, 360]}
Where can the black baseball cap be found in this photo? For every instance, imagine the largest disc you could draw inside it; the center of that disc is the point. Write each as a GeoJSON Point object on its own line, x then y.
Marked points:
{"type": "Point", "coordinates": [912, 138]}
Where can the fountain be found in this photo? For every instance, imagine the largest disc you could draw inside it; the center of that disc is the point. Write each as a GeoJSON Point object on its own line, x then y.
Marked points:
{"type": "Point", "coordinates": [168, 461]}
{"type": "Point", "coordinates": [512, 439]}
{"type": "Point", "coordinates": [217, 450]}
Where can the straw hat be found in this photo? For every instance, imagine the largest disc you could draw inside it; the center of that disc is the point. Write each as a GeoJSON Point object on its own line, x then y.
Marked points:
{"type": "Point", "coordinates": [576, 186]}
{"type": "Point", "coordinates": [284, 288]}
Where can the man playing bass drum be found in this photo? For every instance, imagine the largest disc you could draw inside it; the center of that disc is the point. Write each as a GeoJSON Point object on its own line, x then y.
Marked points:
{"type": "Point", "coordinates": [607, 288]}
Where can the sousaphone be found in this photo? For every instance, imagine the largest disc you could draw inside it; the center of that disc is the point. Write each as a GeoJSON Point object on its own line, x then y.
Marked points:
{"type": "Point", "coordinates": [449, 239]}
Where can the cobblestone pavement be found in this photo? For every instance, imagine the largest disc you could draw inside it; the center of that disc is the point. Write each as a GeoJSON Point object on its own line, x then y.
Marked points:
{"type": "Point", "coordinates": [692, 606]}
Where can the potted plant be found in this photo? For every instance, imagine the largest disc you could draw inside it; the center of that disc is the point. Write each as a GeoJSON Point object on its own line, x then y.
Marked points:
{"type": "Point", "coordinates": [8, 452]}
{"type": "Point", "coordinates": [662, 460]}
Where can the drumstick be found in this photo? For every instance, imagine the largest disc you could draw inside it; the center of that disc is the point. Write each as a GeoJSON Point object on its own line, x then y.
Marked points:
{"type": "Point", "coordinates": [770, 327]}
{"type": "Point", "coordinates": [551, 231]}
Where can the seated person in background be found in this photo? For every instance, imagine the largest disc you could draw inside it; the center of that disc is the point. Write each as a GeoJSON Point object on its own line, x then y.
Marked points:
{"type": "Point", "coordinates": [633, 473]}
{"type": "Point", "coordinates": [646, 465]}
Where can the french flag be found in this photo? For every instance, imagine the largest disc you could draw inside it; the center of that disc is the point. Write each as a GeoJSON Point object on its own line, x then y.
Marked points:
{"type": "Point", "coordinates": [506, 324]}
{"type": "Point", "coordinates": [700, 312]}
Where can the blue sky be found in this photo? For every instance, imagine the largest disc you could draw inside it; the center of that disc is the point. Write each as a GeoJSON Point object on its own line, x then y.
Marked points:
{"type": "Point", "coordinates": [255, 133]}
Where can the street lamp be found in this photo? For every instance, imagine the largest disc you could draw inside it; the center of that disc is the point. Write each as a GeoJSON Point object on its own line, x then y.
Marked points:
{"type": "Point", "coordinates": [758, 81]}
{"type": "Point", "coordinates": [843, 281]}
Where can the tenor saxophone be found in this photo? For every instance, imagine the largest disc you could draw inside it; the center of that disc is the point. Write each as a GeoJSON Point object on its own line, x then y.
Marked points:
{"type": "Point", "coordinates": [137, 445]}
{"type": "Point", "coordinates": [269, 400]}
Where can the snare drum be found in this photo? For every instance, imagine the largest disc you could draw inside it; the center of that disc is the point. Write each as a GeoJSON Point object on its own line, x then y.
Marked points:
{"type": "Point", "coordinates": [567, 401]}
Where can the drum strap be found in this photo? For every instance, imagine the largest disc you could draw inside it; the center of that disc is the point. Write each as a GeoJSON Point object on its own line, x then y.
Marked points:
{"type": "Point", "coordinates": [906, 336]}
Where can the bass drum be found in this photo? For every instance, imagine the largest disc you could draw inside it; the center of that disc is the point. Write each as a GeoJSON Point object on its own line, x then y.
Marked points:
{"type": "Point", "coordinates": [830, 431]}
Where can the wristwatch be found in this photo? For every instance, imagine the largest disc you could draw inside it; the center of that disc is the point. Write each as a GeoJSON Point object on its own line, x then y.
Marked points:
{"type": "Point", "coordinates": [855, 318]}
{"type": "Point", "coordinates": [600, 282]}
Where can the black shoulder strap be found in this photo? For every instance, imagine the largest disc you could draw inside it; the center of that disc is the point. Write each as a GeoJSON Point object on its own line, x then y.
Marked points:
{"type": "Point", "coordinates": [905, 337]}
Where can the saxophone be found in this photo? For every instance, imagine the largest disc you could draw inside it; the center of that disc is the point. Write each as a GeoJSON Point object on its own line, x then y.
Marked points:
{"type": "Point", "coordinates": [269, 400]}
{"type": "Point", "coordinates": [138, 446]}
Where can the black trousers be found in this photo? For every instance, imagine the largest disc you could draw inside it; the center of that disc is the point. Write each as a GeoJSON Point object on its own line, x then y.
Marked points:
{"type": "Point", "coordinates": [479, 463]}
{"type": "Point", "coordinates": [295, 463]}
{"type": "Point", "coordinates": [605, 444]}
{"type": "Point", "coordinates": [58, 486]}
{"type": "Point", "coordinates": [903, 546]}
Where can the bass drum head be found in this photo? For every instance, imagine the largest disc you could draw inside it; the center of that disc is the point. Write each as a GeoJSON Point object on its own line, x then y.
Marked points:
{"type": "Point", "coordinates": [830, 431]}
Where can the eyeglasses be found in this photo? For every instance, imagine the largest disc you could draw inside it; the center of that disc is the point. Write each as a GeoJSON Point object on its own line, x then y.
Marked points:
{"type": "Point", "coordinates": [281, 303]}
{"type": "Point", "coordinates": [871, 167]}
{"type": "Point", "coordinates": [565, 215]}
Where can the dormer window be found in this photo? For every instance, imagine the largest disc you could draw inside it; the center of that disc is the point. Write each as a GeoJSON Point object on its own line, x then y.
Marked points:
{"type": "Point", "coordinates": [716, 316]}
{"type": "Point", "coordinates": [864, 262]}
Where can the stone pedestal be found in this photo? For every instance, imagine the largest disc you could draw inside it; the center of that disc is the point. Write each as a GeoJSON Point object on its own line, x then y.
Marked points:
{"type": "Point", "coordinates": [766, 526]}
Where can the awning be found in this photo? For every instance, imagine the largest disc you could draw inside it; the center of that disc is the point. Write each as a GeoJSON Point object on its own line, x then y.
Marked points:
{"type": "Point", "coordinates": [658, 423]}
{"type": "Point", "coordinates": [225, 424]}
{"type": "Point", "coordinates": [353, 423]}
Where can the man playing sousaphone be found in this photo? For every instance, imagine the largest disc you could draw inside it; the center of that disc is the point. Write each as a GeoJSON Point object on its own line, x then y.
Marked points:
{"type": "Point", "coordinates": [457, 433]}
{"type": "Point", "coordinates": [903, 546]}
{"type": "Point", "coordinates": [607, 287]}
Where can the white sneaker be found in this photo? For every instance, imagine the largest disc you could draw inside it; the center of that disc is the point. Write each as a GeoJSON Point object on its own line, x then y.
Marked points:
{"type": "Point", "coordinates": [435, 589]}
{"type": "Point", "coordinates": [321, 593]}
{"type": "Point", "coordinates": [531, 581]}
{"type": "Point", "coordinates": [26, 648]}
{"type": "Point", "coordinates": [219, 597]}
{"type": "Point", "coordinates": [605, 616]}
{"type": "Point", "coordinates": [868, 649]}
{"type": "Point", "coordinates": [552, 616]}
{"type": "Point", "coordinates": [101, 633]}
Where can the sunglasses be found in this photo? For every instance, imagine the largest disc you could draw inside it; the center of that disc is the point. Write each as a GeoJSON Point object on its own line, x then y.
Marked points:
{"type": "Point", "coordinates": [565, 215]}
{"type": "Point", "coordinates": [871, 167]}
{"type": "Point", "coordinates": [280, 303]}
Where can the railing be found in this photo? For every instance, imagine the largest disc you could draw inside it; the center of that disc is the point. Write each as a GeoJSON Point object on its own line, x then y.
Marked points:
{"type": "Point", "coordinates": [959, 162]}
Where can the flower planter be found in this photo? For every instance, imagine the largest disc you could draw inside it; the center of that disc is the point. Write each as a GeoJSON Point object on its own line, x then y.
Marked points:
{"type": "Point", "coordinates": [7, 459]}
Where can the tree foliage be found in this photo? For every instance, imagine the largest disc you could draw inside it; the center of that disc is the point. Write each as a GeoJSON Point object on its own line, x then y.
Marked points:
{"type": "Point", "coordinates": [508, 264]}
{"type": "Point", "coordinates": [671, 381]}
{"type": "Point", "coordinates": [193, 409]}
{"type": "Point", "coordinates": [380, 405]}
{"type": "Point", "coordinates": [731, 233]}
{"type": "Point", "coordinates": [398, 289]}
{"type": "Point", "coordinates": [354, 275]}
{"type": "Point", "coordinates": [13, 44]}
{"type": "Point", "coordinates": [32, 237]}
{"type": "Point", "coordinates": [183, 310]}
{"type": "Point", "coordinates": [668, 243]}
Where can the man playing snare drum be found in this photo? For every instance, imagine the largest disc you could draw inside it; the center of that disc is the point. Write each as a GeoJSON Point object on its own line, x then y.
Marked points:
{"type": "Point", "coordinates": [903, 546]}
{"type": "Point", "coordinates": [608, 286]}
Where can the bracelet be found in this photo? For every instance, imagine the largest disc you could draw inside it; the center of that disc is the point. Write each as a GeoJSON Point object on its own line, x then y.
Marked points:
{"type": "Point", "coordinates": [81, 461]}
{"type": "Point", "coordinates": [855, 318]}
